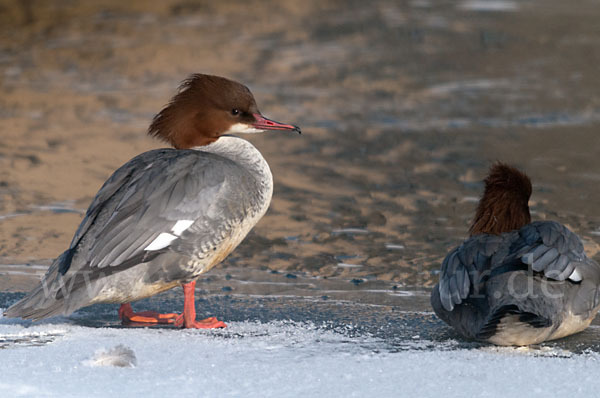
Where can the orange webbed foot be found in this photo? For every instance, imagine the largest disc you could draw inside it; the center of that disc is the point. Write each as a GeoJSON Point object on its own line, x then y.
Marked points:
{"type": "Point", "coordinates": [128, 317]}
{"type": "Point", "coordinates": [208, 323]}
{"type": "Point", "coordinates": [186, 320]}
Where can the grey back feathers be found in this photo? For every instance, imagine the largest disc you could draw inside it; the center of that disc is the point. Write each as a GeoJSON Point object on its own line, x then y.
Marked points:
{"type": "Point", "coordinates": [148, 195]}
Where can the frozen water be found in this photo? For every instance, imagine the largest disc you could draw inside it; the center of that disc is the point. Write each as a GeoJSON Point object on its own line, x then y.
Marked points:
{"type": "Point", "coordinates": [284, 347]}
{"type": "Point", "coordinates": [489, 5]}
{"type": "Point", "coordinates": [313, 338]}
{"type": "Point", "coordinates": [280, 359]}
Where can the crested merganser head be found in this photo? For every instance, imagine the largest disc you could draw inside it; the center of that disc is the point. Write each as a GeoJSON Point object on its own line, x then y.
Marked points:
{"type": "Point", "coordinates": [504, 205]}
{"type": "Point", "coordinates": [207, 107]}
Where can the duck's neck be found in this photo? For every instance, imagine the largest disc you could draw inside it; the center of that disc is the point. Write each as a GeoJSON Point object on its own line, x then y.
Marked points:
{"type": "Point", "coordinates": [248, 157]}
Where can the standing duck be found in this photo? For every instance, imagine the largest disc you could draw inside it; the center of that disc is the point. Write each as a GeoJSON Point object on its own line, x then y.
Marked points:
{"type": "Point", "coordinates": [168, 215]}
{"type": "Point", "coordinates": [516, 282]}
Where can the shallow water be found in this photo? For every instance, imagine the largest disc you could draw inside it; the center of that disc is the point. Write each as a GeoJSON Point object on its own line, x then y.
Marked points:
{"type": "Point", "coordinates": [403, 106]}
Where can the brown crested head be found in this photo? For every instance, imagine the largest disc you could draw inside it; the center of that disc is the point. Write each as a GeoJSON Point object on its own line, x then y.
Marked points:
{"type": "Point", "coordinates": [206, 107]}
{"type": "Point", "coordinates": [504, 204]}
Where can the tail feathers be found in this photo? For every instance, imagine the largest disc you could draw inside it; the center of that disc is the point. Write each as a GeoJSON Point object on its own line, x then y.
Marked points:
{"type": "Point", "coordinates": [22, 309]}
{"type": "Point", "coordinates": [48, 298]}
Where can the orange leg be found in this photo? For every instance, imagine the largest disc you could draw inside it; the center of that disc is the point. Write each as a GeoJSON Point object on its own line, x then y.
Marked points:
{"type": "Point", "coordinates": [187, 319]}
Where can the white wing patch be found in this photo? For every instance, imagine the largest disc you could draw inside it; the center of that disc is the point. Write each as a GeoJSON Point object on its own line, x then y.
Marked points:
{"type": "Point", "coordinates": [181, 226]}
{"type": "Point", "coordinates": [164, 239]}
{"type": "Point", "coordinates": [575, 276]}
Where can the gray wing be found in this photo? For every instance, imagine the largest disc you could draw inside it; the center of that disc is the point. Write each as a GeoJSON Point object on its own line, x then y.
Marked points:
{"type": "Point", "coordinates": [546, 246]}
{"type": "Point", "coordinates": [468, 264]}
{"type": "Point", "coordinates": [552, 249]}
{"type": "Point", "coordinates": [149, 194]}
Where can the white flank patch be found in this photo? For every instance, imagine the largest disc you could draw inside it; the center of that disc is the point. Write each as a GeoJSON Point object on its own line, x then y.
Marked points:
{"type": "Point", "coordinates": [163, 240]}
{"type": "Point", "coordinates": [242, 128]}
{"type": "Point", "coordinates": [575, 276]}
{"type": "Point", "coordinates": [181, 226]}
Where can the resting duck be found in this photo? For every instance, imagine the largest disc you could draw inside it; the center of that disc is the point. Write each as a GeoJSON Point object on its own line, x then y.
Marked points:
{"type": "Point", "coordinates": [516, 282]}
{"type": "Point", "coordinates": [168, 215]}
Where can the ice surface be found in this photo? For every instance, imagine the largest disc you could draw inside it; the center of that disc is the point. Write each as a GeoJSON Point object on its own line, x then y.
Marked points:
{"type": "Point", "coordinates": [489, 5]}
{"type": "Point", "coordinates": [278, 358]}
{"type": "Point", "coordinates": [366, 340]}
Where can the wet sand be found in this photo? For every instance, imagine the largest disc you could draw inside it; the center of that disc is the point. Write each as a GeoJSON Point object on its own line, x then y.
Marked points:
{"type": "Point", "coordinates": [403, 107]}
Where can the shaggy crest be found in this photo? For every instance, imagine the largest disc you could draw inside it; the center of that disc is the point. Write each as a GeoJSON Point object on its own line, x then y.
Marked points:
{"type": "Point", "coordinates": [504, 204]}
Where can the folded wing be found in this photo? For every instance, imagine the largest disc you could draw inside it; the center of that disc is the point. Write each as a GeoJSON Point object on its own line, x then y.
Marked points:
{"type": "Point", "coordinates": [546, 247]}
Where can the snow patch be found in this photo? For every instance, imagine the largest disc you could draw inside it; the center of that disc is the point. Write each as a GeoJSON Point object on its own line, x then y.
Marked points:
{"type": "Point", "coordinates": [20, 390]}
{"type": "Point", "coordinates": [281, 359]}
{"type": "Point", "coordinates": [120, 356]}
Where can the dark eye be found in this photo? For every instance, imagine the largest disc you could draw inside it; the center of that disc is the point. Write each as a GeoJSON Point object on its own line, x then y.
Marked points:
{"type": "Point", "coordinates": [235, 112]}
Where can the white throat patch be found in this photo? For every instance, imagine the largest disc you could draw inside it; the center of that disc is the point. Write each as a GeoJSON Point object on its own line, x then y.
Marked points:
{"type": "Point", "coordinates": [242, 128]}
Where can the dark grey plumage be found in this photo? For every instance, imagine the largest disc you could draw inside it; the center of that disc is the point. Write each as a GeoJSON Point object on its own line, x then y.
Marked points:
{"type": "Point", "coordinates": [500, 288]}
{"type": "Point", "coordinates": [106, 260]}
